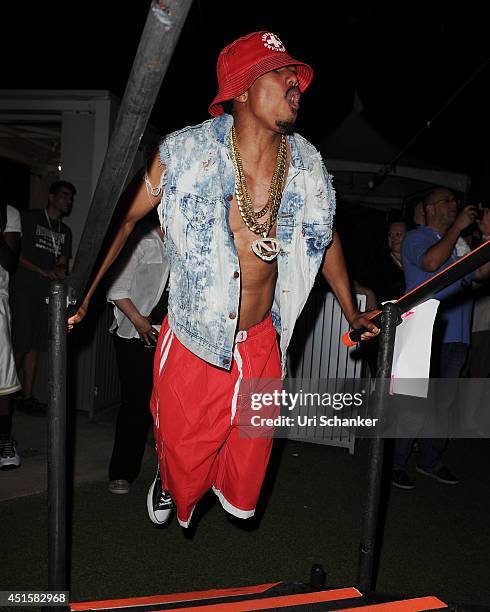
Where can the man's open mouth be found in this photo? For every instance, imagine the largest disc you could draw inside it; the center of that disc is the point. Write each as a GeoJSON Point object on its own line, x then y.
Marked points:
{"type": "Point", "coordinates": [293, 97]}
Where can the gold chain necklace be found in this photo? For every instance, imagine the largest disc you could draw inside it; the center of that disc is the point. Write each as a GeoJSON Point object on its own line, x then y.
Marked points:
{"type": "Point", "coordinates": [266, 248]}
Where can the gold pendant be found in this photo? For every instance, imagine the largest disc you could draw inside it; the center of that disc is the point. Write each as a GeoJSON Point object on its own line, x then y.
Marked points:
{"type": "Point", "coordinates": [266, 248]}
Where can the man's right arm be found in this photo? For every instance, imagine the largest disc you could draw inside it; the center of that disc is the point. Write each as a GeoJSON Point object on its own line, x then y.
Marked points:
{"type": "Point", "coordinates": [140, 200]}
{"type": "Point", "coordinates": [438, 254]}
{"type": "Point", "coordinates": [30, 265]}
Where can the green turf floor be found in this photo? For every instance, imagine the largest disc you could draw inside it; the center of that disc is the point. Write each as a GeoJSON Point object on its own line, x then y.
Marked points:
{"type": "Point", "coordinates": [436, 537]}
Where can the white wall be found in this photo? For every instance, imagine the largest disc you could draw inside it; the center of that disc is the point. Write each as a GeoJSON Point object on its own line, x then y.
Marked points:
{"type": "Point", "coordinates": [77, 146]}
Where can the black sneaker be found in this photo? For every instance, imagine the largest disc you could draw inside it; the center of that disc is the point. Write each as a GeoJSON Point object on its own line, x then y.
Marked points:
{"type": "Point", "coordinates": [159, 502]}
{"type": "Point", "coordinates": [441, 475]}
{"type": "Point", "coordinates": [400, 479]}
{"type": "Point", "coordinates": [9, 457]}
{"type": "Point", "coordinates": [31, 405]}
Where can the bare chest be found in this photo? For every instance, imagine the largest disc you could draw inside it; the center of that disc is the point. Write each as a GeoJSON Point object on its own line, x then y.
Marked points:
{"type": "Point", "coordinates": [243, 238]}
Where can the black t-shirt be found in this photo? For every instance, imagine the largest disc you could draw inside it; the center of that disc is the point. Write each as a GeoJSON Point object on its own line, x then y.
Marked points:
{"type": "Point", "coordinates": [44, 241]}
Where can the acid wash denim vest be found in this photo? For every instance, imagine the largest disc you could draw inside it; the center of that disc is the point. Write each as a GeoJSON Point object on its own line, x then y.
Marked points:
{"type": "Point", "coordinates": [204, 269]}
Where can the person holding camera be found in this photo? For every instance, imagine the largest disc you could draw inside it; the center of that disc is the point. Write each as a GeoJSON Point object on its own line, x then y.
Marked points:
{"type": "Point", "coordinates": [139, 293]}
{"type": "Point", "coordinates": [425, 252]}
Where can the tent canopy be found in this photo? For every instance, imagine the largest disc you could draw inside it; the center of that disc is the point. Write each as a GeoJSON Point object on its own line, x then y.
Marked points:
{"type": "Point", "coordinates": [355, 152]}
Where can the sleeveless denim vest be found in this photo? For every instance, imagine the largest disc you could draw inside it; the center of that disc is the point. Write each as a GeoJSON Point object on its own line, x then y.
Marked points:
{"type": "Point", "coordinates": [204, 267]}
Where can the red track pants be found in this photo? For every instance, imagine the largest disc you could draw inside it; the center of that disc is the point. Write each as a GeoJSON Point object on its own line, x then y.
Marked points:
{"type": "Point", "coordinates": [196, 411]}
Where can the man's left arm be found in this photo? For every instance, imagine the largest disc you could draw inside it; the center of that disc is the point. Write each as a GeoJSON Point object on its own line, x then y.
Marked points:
{"type": "Point", "coordinates": [335, 272]}
{"type": "Point", "coordinates": [61, 267]}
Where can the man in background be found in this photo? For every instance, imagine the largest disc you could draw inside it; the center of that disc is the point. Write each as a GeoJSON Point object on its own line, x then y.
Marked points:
{"type": "Point", "coordinates": [45, 251]}
{"type": "Point", "coordinates": [425, 252]}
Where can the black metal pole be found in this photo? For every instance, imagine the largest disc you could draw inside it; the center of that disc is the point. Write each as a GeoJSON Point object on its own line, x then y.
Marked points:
{"type": "Point", "coordinates": [158, 41]}
{"type": "Point", "coordinates": [389, 322]}
{"type": "Point", "coordinates": [57, 331]}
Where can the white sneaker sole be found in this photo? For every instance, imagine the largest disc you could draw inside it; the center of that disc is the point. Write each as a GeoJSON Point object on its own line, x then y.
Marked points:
{"type": "Point", "coordinates": [404, 487]}
{"type": "Point", "coordinates": [435, 477]}
{"type": "Point", "coordinates": [164, 514]}
{"type": "Point", "coordinates": [118, 491]}
{"type": "Point", "coordinates": [10, 464]}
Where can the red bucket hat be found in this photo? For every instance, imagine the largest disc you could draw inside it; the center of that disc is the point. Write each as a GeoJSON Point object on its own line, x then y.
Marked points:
{"type": "Point", "coordinates": [248, 58]}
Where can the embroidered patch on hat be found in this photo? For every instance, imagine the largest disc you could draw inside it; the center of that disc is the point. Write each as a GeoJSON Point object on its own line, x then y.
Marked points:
{"type": "Point", "coordinates": [272, 42]}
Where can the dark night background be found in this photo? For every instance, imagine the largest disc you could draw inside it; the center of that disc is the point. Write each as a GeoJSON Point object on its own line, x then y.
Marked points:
{"type": "Point", "coordinates": [405, 60]}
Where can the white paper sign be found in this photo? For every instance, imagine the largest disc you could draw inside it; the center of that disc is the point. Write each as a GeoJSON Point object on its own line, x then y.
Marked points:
{"type": "Point", "coordinates": [411, 356]}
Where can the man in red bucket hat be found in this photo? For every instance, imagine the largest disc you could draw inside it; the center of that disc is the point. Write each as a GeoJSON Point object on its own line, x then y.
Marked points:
{"type": "Point", "coordinates": [248, 58]}
{"type": "Point", "coordinates": [247, 208]}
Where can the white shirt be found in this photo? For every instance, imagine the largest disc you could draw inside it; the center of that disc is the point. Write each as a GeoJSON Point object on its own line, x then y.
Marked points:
{"type": "Point", "coordinates": [13, 225]}
{"type": "Point", "coordinates": [140, 274]}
